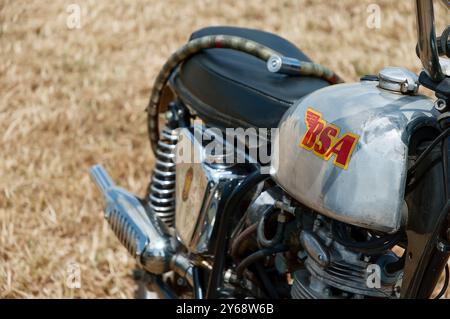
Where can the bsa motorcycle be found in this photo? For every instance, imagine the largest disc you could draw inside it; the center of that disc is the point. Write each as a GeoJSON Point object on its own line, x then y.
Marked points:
{"type": "Point", "coordinates": [274, 179]}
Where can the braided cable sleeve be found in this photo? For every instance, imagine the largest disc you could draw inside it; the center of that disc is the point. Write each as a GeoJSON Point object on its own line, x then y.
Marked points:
{"type": "Point", "coordinates": [217, 41]}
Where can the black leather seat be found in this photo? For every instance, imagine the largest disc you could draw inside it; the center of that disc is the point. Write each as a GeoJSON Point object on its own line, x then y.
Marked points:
{"type": "Point", "coordinates": [233, 89]}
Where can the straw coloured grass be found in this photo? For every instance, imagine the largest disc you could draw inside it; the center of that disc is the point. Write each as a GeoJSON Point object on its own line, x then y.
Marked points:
{"type": "Point", "coordinates": [70, 98]}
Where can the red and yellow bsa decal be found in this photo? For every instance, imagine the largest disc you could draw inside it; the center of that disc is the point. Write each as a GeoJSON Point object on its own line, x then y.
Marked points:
{"type": "Point", "coordinates": [323, 140]}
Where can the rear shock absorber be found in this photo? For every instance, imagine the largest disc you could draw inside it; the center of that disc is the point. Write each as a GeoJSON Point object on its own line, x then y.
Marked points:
{"type": "Point", "coordinates": [161, 191]}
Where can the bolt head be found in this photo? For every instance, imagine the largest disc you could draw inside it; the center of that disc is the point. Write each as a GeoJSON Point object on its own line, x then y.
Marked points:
{"type": "Point", "coordinates": [404, 87]}
{"type": "Point", "coordinates": [180, 281]}
{"type": "Point", "coordinates": [168, 115]}
{"type": "Point", "coordinates": [440, 105]}
{"type": "Point", "coordinates": [274, 63]}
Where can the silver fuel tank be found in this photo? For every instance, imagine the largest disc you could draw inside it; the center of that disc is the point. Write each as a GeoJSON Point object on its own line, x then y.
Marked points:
{"type": "Point", "coordinates": [343, 151]}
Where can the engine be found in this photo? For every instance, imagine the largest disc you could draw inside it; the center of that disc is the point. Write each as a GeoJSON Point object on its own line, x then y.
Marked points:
{"type": "Point", "coordinates": [331, 259]}
{"type": "Point", "coordinates": [335, 271]}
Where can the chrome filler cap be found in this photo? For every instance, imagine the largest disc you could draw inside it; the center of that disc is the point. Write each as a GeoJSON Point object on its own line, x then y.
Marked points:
{"type": "Point", "coordinates": [399, 80]}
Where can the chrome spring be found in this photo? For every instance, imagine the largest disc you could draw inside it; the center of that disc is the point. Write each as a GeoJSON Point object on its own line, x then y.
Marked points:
{"type": "Point", "coordinates": [161, 193]}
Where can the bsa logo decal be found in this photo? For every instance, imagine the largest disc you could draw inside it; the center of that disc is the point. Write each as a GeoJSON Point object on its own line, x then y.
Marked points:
{"type": "Point", "coordinates": [323, 140]}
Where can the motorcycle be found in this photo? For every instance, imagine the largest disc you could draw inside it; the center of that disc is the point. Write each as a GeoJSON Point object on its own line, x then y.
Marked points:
{"type": "Point", "coordinates": [274, 179]}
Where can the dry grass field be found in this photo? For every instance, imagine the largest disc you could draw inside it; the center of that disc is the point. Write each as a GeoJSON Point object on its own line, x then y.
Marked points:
{"type": "Point", "coordinates": [70, 98]}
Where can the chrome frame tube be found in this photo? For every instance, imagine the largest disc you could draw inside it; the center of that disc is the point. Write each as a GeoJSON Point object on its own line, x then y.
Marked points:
{"type": "Point", "coordinates": [427, 43]}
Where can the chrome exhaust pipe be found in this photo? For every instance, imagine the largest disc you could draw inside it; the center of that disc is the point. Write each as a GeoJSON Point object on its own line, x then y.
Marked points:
{"type": "Point", "coordinates": [143, 234]}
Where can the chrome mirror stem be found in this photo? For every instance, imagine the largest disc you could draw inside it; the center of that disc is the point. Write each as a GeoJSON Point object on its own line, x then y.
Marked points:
{"type": "Point", "coordinates": [427, 44]}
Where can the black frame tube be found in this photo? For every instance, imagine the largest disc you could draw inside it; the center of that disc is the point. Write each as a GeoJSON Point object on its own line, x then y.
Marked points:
{"type": "Point", "coordinates": [428, 220]}
{"type": "Point", "coordinates": [223, 233]}
{"type": "Point", "coordinates": [198, 290]}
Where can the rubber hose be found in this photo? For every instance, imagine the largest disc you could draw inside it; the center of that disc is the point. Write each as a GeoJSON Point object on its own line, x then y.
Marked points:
{"type": "Point", "coordinates": [244, 235]}
{"type": "Point", "coordinates": [262, 240]}
{"type": "Point", "coordinates": [246, 262]}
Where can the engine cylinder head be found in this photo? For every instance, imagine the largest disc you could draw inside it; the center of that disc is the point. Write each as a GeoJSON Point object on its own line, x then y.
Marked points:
{"type": "Point", "coordinates": [332, 270]}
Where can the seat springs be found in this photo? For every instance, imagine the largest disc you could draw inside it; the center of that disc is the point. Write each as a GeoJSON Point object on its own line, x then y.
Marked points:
{"type": "Point", "coordinates": [161, 192]}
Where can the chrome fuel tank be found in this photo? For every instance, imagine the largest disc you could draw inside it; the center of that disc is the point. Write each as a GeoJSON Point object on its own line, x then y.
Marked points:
{"type": "Point", "coordinates": [343, 151]}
